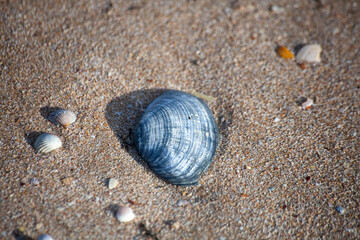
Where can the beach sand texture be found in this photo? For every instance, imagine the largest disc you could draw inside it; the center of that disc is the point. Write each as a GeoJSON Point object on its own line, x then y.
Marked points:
{"type": "Point", "coordinates": [280, 171]}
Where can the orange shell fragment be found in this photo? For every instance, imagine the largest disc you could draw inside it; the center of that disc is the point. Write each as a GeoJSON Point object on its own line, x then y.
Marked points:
{"type": "Point", "coordinates": [284, 52]}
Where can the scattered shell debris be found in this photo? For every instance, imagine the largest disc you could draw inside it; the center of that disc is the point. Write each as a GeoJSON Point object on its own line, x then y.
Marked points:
{"type": "Point", "coordinates": [125, 214]}
{"type": "Point", "coordinates": [302, 65]}
{"type": "Point", "coordinates": [45, 237]}
{"type": "Point", "coordinates": [284, 52]}
{"type": "Point", "coordinates": [47, 142]}
{"type": "Point", "coordinates": [67, 181]}
{"type": "Point", "coordinates": [276, 119]}
{"type": "Point", "coordinates": [113, 183]}
{"type": "Point", "coordinates": [309, 53]}
{"type": "Point", "coordinates": [62, 117]}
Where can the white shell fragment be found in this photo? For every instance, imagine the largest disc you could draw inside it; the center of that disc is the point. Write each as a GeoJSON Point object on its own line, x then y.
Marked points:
{"type": "Point", "coordinates": [113, 183]}
{"type": "Point", "coordinates": [47, 142]}
{"type": "Point", "coordinates": [309, 53]}
{"type": "Point", "coordinates": [307, 104]}
{"type": "Point", "coordinates": [276, 9]}
{"type": "Point", "coordinates": [45, 237]}
{"type": "Point", "coordinates": [62, 117]}
{"type": "Point", "coordinates": [125, 214]}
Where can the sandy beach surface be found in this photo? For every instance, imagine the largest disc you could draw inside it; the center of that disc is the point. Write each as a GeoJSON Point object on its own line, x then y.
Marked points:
{"type": "Point", "coordinates": [281, 170]}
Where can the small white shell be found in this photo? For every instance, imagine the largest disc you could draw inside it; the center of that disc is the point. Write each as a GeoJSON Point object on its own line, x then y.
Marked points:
{"type": "Point", "coordinates": [62, 117]}
{"type": "Point", "coordinates": [45, 237]}
{"type": "Point", "coordinates": [309, 53]}
{"type": "Point", "coordinates": [47, 142]}
{"type": "Point", "coordinates": [125, 214]}
{"type": "Point", "coordinates": [307, 104]}
{"type": "Point", "coordinates": [113, 183]}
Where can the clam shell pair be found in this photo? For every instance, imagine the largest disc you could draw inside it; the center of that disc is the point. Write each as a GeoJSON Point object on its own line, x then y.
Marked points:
{"type": "Point", "coordinates": [177, 137]}
{"type": "Point", "coordinates": [46, 142]}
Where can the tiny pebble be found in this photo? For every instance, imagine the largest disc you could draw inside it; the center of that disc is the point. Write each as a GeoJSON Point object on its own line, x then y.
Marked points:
{"type": "Point", "coordinates": [302, 65]}
{"type": "Point", "coordinates": [45, 237]}
{"type": "Point", "coordinates": [181, 202]}
{"type": "Point", "coordinates": [284, 52]}
{"type": "Point", "coordinates": [113, 183]}
{"type": "Point", "coordinates": [125, 214]}
{"type": "Point", "coordinates": [335, 30]}
{"type": "Point", "coordinates": [39, 226]}
{"type": "Point", "coordinates": [175, 225]}
{"type": "Point", "coordinates": [340, 209]}
{"type": "Point", "coordinates": [67, 181]}
{"type": "Point", "coordinates": [277, 9]}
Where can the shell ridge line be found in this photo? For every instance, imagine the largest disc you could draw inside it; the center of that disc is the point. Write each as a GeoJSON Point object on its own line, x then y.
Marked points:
{"type": "Point", "coordinates": [177, 156]}
{"type": "Point", "coordinates": [186, 167]}
{"type": "Point", "coordinates": [152, 136]}
{"type": "Point", "coordinates": [163, 134]}
{"type": "Point", "coordinates": [168, 149]}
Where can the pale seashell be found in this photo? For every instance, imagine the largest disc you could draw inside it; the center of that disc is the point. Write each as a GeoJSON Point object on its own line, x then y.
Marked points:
{"type": "Point", "coordinates": [125, 214]}
{"type": "Point", "coordinates": [113, 183]}
{"type": "Point", "coordinates": [309, 53]}
{"type": "Point", "coordinates": [45, 237]}
{"type": "Point", "coordinates": [307, 104]}
{"type": "Point", "coordinates": [62, 117]}
{"type": "Point", "coordinates": [47, 142]}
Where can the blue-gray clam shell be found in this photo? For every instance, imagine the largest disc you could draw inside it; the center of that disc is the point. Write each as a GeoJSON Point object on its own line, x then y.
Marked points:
{"type": "Point", "coordinates": [177, 137]}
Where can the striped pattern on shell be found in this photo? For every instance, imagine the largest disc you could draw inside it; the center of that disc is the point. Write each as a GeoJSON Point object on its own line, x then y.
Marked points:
{"type": "Point", "coordinates": [47, 142]}
{"type": "Point", "coordinates": [62, 117]}
{"type": "Point", "coordinates": [177, 137]}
